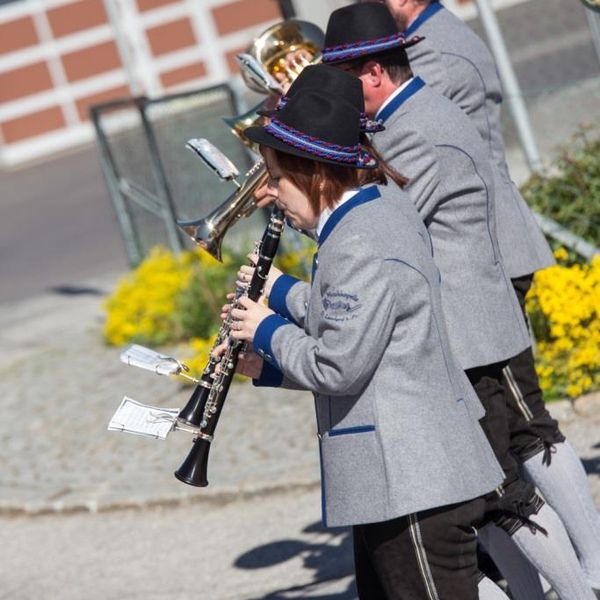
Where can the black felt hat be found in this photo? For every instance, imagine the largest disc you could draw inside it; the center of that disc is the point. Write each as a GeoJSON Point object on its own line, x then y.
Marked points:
{"type": "Point", "coordinates": [361, 30]}
{"type": "Point", "coordinates": [333, 81]}
{"type": "Point", "coordinates": [326, 79]}
{"type": "Point", "coordinates": [316, 125]}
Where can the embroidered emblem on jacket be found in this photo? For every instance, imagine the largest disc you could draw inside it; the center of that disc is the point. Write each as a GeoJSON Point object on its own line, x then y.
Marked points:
{"type": "Point", "coordinates": [340, 306]}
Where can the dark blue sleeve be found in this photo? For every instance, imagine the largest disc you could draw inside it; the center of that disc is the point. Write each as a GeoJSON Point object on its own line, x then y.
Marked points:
{"type": "Point", "coordinates": [264, 333]}
{"type": "Point", "coordinates": [278, 294]}
{"type": "Point", "coordinates": [270, 376]}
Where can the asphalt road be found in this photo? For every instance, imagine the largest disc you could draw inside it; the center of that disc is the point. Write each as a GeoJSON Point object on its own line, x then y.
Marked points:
{"type": "Point", "coordinates": [269, 548]}
{"type": "Point", "coordinates": [57, 227]}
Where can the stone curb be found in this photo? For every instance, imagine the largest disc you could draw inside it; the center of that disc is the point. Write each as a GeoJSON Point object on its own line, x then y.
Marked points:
{"type": "Point", "coordinates": [214, 497]}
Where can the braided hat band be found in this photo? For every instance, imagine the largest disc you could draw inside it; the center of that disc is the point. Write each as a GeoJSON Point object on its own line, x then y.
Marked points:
{"type": "Point", "coordinates": [363, 48]}
{"type": "Point", "coordinates": [349, 155]}
{"type": "Point", "coordinates": [367, 125]}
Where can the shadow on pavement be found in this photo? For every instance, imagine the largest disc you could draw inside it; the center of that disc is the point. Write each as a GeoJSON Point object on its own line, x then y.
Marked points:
{"type": "Point", "coordinates": [329, 559]}
{"type": "Point", "coordinates": [76, 290]}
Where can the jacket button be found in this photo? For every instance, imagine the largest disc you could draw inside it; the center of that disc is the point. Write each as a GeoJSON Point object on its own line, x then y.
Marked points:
{"type": "Point", "coordinates": [268, 358]}
{"type": "Point", "coordinates": [260, 352]}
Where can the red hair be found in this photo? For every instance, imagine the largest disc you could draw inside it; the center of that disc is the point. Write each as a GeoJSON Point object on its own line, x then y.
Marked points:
{"type": "Point", "coordinates": [319, 180]}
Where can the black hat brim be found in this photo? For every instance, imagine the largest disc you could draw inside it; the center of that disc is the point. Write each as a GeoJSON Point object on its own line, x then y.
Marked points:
{"type": "Point", "coordinates": [260, 136]}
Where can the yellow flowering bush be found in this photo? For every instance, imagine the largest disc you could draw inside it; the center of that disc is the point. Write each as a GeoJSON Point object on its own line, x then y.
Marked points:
{"type": "Point", "coordinates": [142, 307]}
{"type": "Point", "coordinates": [172, 298]}
{"type": "Point", "coordinates": [168, 298]}
{"type": "Point", "coordinates": [564, 308]}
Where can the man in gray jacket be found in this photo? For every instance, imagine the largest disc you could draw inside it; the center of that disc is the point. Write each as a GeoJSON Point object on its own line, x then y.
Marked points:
{"type": "Point", "coordinates": [453, 60]}
{"type": "Point", "coordinates": [429, 140]}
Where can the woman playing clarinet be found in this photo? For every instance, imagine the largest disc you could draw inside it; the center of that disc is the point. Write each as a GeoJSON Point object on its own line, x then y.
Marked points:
{"type": "Point", "coordinates": [403, 458]}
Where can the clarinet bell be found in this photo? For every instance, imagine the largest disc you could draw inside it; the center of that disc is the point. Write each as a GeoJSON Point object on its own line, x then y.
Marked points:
{"type": "Point", "coordinates": [194, 468]}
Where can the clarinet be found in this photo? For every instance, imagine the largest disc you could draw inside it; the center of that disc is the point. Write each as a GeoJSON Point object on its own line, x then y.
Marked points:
{"type": "Point", "coordinates": [204, 407]}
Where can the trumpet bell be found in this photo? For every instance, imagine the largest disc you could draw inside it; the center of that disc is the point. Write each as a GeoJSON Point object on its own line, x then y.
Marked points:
{"type": "Point", "coordinates": [209, 232]}
{"type": "Point", "coordinates": [204, 233]}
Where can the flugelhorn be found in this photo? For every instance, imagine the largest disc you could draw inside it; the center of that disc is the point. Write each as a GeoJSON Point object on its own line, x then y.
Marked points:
{"type": "Point", "coordinates": [209, 231]}
{"type": "Point", "coordinates": [266, 57]}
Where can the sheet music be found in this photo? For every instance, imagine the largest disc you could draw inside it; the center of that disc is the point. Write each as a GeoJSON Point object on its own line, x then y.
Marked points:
{"type": "Point", "coordinates": [141, 419]}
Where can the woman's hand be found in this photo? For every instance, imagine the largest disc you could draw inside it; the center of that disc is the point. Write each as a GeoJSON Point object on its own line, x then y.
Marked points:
{"type": "Point", "coordinates": [246, 272]}
{"type": "Point", "coordinates": [247, 318]}
{"type": "Point", "coordinates": [249, 363]}
{"type": "Point", "coordinates": [263, 197]}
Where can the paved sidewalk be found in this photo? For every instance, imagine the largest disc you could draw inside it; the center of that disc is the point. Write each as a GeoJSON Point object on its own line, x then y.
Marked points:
{"type": "Point", "coordinates": [60, 385]}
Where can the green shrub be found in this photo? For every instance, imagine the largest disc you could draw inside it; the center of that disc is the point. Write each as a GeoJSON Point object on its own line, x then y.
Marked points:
{"type": "Point", "coordinates": [569, 192]}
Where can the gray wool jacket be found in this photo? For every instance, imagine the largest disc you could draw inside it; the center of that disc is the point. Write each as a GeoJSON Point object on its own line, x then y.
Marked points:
{"type": "Point", "coordinates": [397, 419]}
{"type": "Point", "coordinates": [454, 61]}
{"type": "Point", "coordinates": [428, 139]}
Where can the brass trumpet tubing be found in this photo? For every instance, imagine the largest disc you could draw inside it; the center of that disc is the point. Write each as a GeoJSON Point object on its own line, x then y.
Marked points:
{"type": "Point", "coordinates": [209, 232]}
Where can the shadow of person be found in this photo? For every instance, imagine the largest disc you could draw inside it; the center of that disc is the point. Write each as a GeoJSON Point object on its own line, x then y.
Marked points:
{"type": "Point", "coordinates": [328, 557]}
{"type": "Point", "coordinates": [591, 465]}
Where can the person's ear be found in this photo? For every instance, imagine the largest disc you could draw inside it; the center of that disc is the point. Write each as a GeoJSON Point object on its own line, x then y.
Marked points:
{"type": "Point", "coordinates": [373, 73]}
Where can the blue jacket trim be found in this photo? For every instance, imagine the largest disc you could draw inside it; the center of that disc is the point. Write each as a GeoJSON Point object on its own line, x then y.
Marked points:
{"type": "Point", "coordinates": [434, 7]}
{"type": "Point", "coordinates": [264, 334]}
{"type": "Point", "coordinates": [365, 195]}
{"type": "Point", "coordinates": [351, 430]}
{"type": "Point", "coordinates": [270, 376]}
{"type": "Point", "coordinates": [279, 292]}
{"type": "Point", "coordinates": [410, 90]}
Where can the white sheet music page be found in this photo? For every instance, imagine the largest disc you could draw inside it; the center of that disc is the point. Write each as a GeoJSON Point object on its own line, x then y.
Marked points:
{"type": "Point", "coordinates": [141, 419]}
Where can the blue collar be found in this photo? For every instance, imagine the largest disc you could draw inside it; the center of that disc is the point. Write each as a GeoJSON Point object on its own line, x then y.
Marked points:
{"type": "Point", "coordinates": [362, 197]}
{"type": "Point", "coordinates": [434, 7]}
{"type": "Point", "coordinates": [410, 90]}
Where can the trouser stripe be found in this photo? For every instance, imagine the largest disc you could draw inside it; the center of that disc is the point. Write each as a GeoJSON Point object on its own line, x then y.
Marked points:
{"type": "Point", "coordinates": [516, 392]}
{"type": "Point", "coordinates": [417, 541]}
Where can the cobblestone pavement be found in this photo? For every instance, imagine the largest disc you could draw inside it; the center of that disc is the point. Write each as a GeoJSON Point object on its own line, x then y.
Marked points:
{"type": "Point", "coordinates": [60, 386]}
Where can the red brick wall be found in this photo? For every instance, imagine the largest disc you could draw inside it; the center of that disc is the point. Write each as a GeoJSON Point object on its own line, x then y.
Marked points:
{"type": "Point", "coordinates": [33, 124]}
{"type": "Point", "coordinates": [244, 13]}
{"type": "Point", "coordinates": [24, 81]}
{"type": "Point", "coordinates": [91, 61]}
{"type": "Point", "coordinates": [183, 74]}
{"type": "Point", "coordinates": [171, 36]}
{"type": "Point", "coordinates": [17, 34]}
{"type": "Point", "coordinates": [75, 17]}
